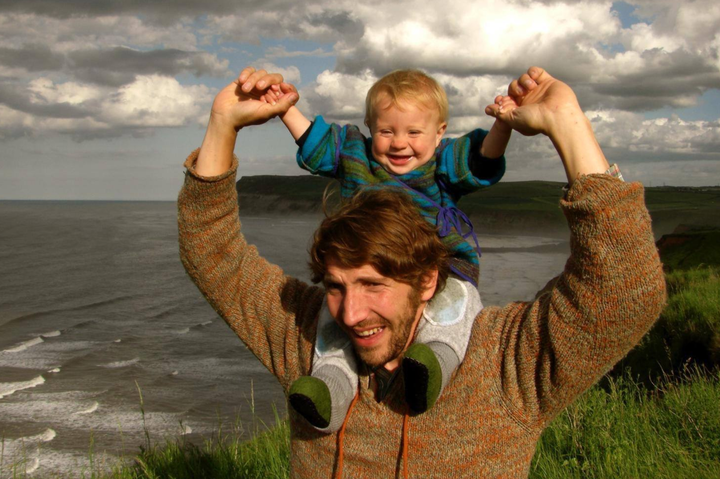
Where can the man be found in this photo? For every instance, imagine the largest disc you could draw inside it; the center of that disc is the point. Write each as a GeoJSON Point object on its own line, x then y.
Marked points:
{"type": "Point", "coordinates": [525, 361]}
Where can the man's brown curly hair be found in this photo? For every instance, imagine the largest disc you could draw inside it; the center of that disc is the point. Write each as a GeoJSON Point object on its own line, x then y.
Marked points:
{"type": "Point", "coordinates": [380, 227]}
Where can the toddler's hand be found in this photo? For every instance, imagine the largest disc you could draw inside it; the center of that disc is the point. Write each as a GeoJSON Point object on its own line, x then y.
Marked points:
{"type": "Point", "coordinates": [276, 92]}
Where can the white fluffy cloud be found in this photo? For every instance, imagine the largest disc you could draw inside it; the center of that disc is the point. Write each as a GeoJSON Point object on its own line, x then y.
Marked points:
{"type": "Point", "coordinates": [668, 58]}
{"type": "Point", "coordinates": [154, 101]}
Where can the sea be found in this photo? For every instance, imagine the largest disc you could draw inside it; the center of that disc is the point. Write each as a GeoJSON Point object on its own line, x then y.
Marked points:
{"type": "Point", "coordinates": [106, 344]}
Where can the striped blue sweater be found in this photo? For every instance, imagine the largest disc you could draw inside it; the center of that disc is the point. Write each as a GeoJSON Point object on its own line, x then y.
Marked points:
{"type": "Point", "coordinates": [344, 153]}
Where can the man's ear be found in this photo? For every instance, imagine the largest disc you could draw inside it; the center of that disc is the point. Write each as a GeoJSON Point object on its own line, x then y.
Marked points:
{"type": "Point", "coordinates": [429, 285]}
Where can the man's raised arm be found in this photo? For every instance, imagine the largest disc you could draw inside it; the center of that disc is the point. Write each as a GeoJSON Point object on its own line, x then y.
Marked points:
{"type": "Point", "coordinates": [264, 307]}
{"type": "Point", "coordinates": [546, 352]}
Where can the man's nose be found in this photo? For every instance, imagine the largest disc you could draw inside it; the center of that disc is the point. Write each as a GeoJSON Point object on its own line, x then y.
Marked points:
{"type": "Point", "coordinates": [354, 308]}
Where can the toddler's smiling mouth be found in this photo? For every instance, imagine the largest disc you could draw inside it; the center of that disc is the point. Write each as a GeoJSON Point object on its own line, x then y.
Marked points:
{"type": "Point", "coordinates": [400, 159]}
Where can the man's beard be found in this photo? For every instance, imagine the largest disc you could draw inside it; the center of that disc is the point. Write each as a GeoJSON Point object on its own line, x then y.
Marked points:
{"type": "Point", "coordinates": [399, 337]}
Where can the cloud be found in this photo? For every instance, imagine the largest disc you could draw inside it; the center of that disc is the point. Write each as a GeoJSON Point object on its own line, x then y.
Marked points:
{"type": "Point", "coordinates": [120, 65]}
{"type": "Point", "coordinates": [322, 21]}
{"type": "Point", "coordinates": [661, 138]}
{"type": "Point", "coordinates": [282, 52]}
{"type": "Point", "coordinates": [290, 74]}
{"type": "Point", "coordinates": [666, 62]}
{"type": "Point", "coordinates": [154, 101]}
{"type": "Point", "coordinates": [338, 96]}
{"type": "Point", "coordinates": [159, 11]}
{"type": "Point", "coordinates": [87, 111]}
{"type": "Point", "coordinates": [31, 58]}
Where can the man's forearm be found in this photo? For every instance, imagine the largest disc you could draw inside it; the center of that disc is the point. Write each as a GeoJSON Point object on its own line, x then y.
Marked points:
{"type": "Point", "coordinates": [216, 152]}
{"type": "Point", "coordinates": [575, 142]}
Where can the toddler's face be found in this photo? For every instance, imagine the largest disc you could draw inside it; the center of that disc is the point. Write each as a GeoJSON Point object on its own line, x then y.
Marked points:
{"type": "Point", "coordinates": [404, 137]}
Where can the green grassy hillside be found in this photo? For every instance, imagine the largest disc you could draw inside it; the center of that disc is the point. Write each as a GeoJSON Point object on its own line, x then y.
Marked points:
{"type": "Point", "coordinates": [514, 206]}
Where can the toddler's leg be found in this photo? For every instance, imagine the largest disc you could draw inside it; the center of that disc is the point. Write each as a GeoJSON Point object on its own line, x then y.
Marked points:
{"type": "Point", "coordinates": [441, 343]}
{"type": "Point", "coordinates": [324, 397]}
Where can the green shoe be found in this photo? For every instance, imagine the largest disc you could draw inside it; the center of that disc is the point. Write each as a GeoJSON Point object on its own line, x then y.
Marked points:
{"type": "Point", "coordinates": [423, 377]}
{"type": "Point", "coordinates": [310, 397]}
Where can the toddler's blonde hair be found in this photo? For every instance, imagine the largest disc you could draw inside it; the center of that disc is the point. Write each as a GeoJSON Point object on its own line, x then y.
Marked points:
{"type": "Point", "coordinates": [406, 86]}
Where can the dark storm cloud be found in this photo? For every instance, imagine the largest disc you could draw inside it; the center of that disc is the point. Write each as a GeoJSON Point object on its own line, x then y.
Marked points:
{"type": "Point", "coordinates": [161, 10]}
{"type": "Point", "coordinates": [119, 66]}
{"type": "Point", "coordinates": [350, 28]}
{"type": "Point", "coordinates": [20, 99]}
{"type": "Point", "coordinates": [31, 57]}
{"type": "Point", "coordinates": [114, 66]}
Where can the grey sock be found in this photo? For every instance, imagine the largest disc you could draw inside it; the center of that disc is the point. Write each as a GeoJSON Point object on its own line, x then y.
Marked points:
{"type": "Point", "coordinates": [341, 394]}
{"type": "Point", "coordinates": [447, 358]}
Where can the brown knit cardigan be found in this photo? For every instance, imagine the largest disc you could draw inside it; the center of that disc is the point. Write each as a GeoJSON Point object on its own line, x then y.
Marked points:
{"type": "Point", "coordinates": [525, 361]}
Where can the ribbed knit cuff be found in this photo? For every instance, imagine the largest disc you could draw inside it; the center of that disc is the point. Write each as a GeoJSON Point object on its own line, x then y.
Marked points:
{"type": "Point", "coordinates": [190, 166]}
{"type": "Point", "coordinates": [601, 188]}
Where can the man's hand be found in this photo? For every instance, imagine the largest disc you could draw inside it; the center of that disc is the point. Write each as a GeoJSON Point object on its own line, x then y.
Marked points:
{"type": "Point", "coordinates": [238, 105]}
{"type": "Point", "coordinates": [250, 100]}
{"type": "Point", "coordinates": [538, 103]}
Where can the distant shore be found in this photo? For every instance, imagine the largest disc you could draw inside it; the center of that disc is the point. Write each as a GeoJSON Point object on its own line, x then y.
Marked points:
{"type": "Point", "coordinates": [506, 208]}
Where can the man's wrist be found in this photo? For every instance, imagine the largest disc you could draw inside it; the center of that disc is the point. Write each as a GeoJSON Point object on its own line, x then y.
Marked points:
{"type": "Point", "coordinates": [572, 135]}
{"type": "Point", "coordinates": [217, 148]}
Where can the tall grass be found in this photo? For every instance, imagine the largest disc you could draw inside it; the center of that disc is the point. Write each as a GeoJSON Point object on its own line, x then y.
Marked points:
{"type": "Point", "coordinates": [687, 332]}
{"type": "Point", "coordinates": [267, 455]}
{"type": "Point", "coordinates": [628, 431]}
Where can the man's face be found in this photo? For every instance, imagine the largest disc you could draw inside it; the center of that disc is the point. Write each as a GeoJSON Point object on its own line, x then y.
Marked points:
{"type": "Point", "coordinates": [379, 314]}
{"type": "Point", "coordinates": [405, 136]}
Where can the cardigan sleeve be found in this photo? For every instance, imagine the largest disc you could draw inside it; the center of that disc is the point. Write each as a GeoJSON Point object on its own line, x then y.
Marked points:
{"type": "Point", "coordinates": [319, 152]}
{"type": "Point", "coordinates": [546, 352]}
{"type": "Point", "coordinates": [463, 169]}
{"type": "Point", "coordinates": [273, 314]}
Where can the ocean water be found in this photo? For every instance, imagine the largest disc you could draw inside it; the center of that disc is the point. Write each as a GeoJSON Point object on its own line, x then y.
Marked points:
{"type": "Point", "coordinates": [96, 310]}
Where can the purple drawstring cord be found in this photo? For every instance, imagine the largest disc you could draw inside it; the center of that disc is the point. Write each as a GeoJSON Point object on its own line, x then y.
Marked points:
{"type": "Point", "coordinates": [449, 217]}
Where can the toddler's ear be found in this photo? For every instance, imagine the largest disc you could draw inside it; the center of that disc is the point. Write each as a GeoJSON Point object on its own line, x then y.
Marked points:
{"type": "Point", "coordinates": [440, 132]}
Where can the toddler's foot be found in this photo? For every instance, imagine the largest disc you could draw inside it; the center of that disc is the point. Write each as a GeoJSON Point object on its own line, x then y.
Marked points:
{"type": "Point", "coordinates": [310, 397]}
{"type": "Point", "coordinates": [423, 377]}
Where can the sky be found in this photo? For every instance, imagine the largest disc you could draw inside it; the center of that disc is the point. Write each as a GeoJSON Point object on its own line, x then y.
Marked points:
{"type": "Point", "coordinates": [103, 100]}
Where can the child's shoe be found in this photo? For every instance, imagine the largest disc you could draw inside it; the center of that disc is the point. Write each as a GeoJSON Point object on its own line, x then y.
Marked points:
{"type": "Point", "coordinates": [310, 397]}
{"type": "Point", "coordinates": [423, 377]}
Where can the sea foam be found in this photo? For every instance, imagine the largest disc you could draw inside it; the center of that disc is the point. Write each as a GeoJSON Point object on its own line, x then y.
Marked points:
{"type": "Point", "coordinates": [7, 389]}
{"type": "Point", "coordinates": [93, 407]}
{"type": "Point", "coordinates": [24, 345]}
{"type": "Point", "coordinates": [121, 364]}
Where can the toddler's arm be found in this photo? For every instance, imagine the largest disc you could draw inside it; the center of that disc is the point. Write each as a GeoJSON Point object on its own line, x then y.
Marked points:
{"type": "Point", "coordinates": [294, 120]}
{"type": "Point", "coordinates": [496, 141]}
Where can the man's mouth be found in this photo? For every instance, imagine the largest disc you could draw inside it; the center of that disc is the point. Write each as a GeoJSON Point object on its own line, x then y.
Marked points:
{"type": "Point", "coordinates": [369, 332]}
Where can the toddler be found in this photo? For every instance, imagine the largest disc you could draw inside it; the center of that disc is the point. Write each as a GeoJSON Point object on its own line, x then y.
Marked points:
{"type": "Point", "coordinates": [406, 112]}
